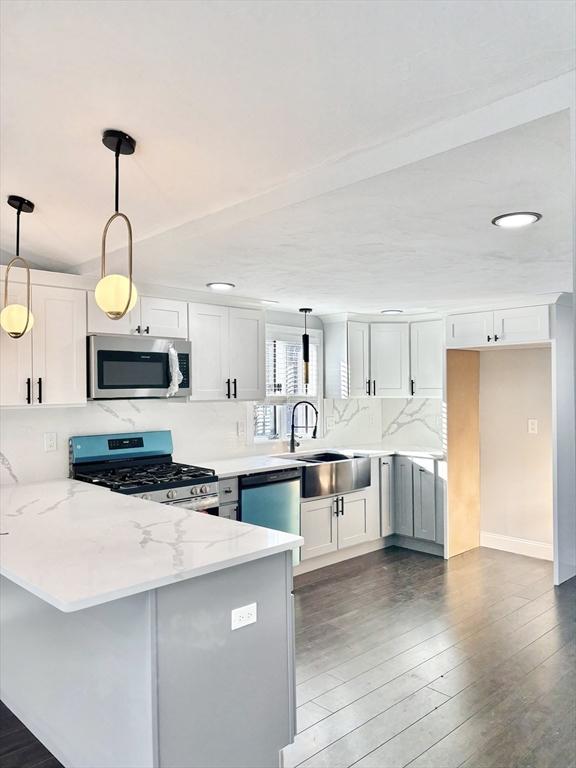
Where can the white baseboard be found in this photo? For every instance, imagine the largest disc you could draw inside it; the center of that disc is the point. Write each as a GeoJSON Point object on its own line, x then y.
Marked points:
{"type": "Point", "coordinates": [519, 546]}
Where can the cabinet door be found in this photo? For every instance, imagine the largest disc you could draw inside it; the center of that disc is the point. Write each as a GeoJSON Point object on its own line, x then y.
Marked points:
{"type": "Point", "coordinates": [386, 495]}
{"type": "Point", "coordinates": [209, 339]}
{"type": "Point", "coordinates": [424, 499]}
{"type": "Point", "coordinates": [164, 317]}
{"type": "Point", "coordinates": [441, 474]}
{"type": "Point", "coordinates": [390, 359]}
{"type": "Point", "coordinates": [403, 492]}
{"type": "Point", "coordinates": [473, 329]}
{"type": "Point", "coordinates": [59, 345]}
{"type": "Point", "coordinates": [98, 322]}
{"type": "Point", "coordinates": [522, 324]}
{"type": "Point", "coordinates": [247, 354]}
{"type": "Point", "coordinates": [358, 359]}
{"type": "Point", "coordinates": [318, 527]}
{"type": "Point", "coordinates": [358, 520]}
{"type": "Point", "coordinates": [15, 358]}
{"type": "Point", "coordinates": [427, 358]}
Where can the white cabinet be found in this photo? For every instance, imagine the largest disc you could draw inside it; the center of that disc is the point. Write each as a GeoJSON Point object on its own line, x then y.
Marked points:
{"type": "Point", "coordinates": [390, 359]}
{"type": "Point", "coordinates": [319, 527]}
{"type": "Point", "coordinates": [338, 522]}
{"type": "Point", "coordinates": [522, 324]}
{"type": "Point", "coordinates": [228, 353]}
{"type": "Point", "coordinates": [359, 359]}
{"type": "Point", "coordinates": [518, 325]}
{"type": "Point", "coordinates": [426, 358]}
{"type": "Point", "coordinates": [16, 360]}
{"type": "Point", "coordinates": [52, 357]}
{"type": "Point", "coordinates": [387, 495]}
{"type": "Point", "coordinates": [470, 330]}
{"type": "Point", "coordinates": [166, 318]}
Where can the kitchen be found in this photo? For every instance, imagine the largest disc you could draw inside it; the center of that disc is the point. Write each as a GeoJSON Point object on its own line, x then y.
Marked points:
{"type": "Point", "coordinates": [312, 429]}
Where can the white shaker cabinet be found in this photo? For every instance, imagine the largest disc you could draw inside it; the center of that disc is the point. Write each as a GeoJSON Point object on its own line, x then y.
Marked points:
{"type": "Point", "coordinates": [359, 359]}
{"type": "Point", "coordinates": [16, 360]}
{"type": "Point", "coordinates": [387, 495]}
{"type": "Point", "coordinates": [521, 324]}
{"type": "Point", "coordinates": [99, 322]}
{"type": "Point", "coordinates": [390, 359]}
{"type": "Point", "coordinates": [472, 329]}
{"type": "Point", "coordinates": [59, 346]}
{"type": "Point", "coordinates": [319, 527]}
{"type": "Point", "coordinates": [426, 358]}
{"type": "Point", "coordinates": [48, 365]}
{"type": "Point", "coordinates": [167, 318]}
{"type": "Point", "coordinates": [358, 519]}
{"type": "Point", "coordinates": [228, 353]}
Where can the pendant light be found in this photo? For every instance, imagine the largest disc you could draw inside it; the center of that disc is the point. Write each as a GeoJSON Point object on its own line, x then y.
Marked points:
{"type": "Point", "coordinates": [306, 347]}
{"type": "Point", "coordinates": [116, 294]}
{"type": "Point", "coordinates": [16, 319]}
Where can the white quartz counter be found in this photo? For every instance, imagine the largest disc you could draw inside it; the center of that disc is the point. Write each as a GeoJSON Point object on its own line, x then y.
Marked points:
{"type": "Point", "coordinates": [75, 545]}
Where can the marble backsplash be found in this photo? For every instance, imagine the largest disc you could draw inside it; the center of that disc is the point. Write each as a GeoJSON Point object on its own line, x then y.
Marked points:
{"type": "Point", "coordinates": [205, 431]}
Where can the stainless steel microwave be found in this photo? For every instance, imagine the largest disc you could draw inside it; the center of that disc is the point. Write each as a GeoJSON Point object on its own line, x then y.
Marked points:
{"type": "Point", "coordinates": [126, 367]}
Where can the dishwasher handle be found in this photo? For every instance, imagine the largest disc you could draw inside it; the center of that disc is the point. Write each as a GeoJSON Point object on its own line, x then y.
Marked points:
{"type": "Point", "coordinates": [267, 478]}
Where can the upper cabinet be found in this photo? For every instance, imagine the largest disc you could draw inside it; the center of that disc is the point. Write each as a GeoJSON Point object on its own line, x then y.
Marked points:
{"type": "Point", "coordinates": [427, 358]}
{"type": "Point", "coordinates": [167, 318]}
{"type": "Point", "coordinates": [519, 325]}
{"type": "Point", "coordinates": [228, 353]}
{"type": "Point", "coordinates": [383, 359]}
{"type": "Point", "coordinates": [48, 365]}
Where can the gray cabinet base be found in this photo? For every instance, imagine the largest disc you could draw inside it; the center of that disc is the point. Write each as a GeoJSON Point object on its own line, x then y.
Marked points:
{"type": "Point", "coordinates": [419, 545]}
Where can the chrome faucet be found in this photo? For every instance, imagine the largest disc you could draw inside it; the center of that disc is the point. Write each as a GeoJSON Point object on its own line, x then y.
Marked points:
{"type": "Point", "coordinates": [293, 427]}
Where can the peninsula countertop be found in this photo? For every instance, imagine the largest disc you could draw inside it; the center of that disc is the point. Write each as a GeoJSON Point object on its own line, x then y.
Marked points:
{"type": "Point", "coordinates": [76, 545]}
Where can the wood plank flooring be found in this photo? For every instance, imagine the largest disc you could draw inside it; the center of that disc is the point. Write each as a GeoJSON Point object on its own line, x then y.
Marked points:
{"type": "Point", "coordinates": [404, 659]}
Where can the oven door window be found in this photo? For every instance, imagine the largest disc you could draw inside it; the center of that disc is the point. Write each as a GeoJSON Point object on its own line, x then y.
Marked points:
{"type": "Point", "coordinates": [132, 370]}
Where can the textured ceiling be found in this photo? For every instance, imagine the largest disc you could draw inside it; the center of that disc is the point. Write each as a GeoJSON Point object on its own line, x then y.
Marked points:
{"type": "Point", "coordinates": [230, 99]}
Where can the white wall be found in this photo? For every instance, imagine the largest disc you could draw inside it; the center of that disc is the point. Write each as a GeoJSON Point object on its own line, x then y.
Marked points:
{"type": "Point", "coordinates": [204, 431]}
{"type": "Point", "coordinates": [516, 489]}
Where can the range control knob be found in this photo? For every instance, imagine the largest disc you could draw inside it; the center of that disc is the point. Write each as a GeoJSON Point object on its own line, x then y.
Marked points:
{"type": "Point", "coordinates": [171, 494]}
{"type": "Point", "coordinates": [204, 489]}
{"type": "Point", "coordinates": [145, 496]}
{"type": "Point", "coordinates": [194, 490]}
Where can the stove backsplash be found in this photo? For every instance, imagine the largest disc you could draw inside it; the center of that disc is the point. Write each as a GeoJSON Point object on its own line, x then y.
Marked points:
{"type": "Point", "coordinates": [204, 431]}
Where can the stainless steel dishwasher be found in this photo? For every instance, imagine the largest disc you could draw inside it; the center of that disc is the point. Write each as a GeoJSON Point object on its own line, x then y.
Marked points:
{"type": "Point", "coordinates": [272, 500]}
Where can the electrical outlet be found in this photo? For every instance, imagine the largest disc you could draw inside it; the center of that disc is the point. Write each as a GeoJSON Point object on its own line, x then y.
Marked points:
{"type": "Point", "coordinates": [532, 426]}
{"type": "Point", "coordinates": [50, 441]}
{"type": "Point", "coordinates": [247, 614]}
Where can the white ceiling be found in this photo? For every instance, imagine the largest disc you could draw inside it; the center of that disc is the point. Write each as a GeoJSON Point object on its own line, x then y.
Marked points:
{"type": "Point", "coordinates": [229, 100]}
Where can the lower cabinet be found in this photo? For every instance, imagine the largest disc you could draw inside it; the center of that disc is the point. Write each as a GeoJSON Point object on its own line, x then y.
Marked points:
{"type": "Point", "coordinates": [403, 497]}
{"type": "Point", "coordinates": [423, 480]}
{"type": "Point", "coordinates": [337, 522]}
{"type": "Point", "coordinates": [387, 495]}
{"type": "Point", "coordinates": [419, 498]}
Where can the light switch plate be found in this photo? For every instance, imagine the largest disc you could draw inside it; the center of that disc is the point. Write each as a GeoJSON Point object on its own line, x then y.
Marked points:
{"type": "Point", "coordinates": [50, 441]}
{"type": "Point", "coordinates": [242, 617]}
{"type": "Point", "coordinates": [532, 426]}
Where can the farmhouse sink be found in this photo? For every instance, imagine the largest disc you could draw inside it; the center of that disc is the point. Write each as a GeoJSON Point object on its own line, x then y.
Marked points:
{"type": "Point", "coordinates": [330, 473]}
{"type": "Point", "coordinates": [327, 456]}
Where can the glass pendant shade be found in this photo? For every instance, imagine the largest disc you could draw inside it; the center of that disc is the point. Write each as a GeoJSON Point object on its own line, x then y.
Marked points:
{"type": "Point", "coordinates": [16, 320]}
{"type": "Point", "coordinates": [113, 294]}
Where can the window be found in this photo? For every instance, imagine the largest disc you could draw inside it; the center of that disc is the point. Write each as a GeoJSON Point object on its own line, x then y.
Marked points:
{"type": "Point", "coordinates": [285, 384]}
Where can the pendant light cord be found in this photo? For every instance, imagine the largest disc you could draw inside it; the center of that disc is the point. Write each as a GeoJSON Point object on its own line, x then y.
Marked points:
{"type": "Point", "coordinates": [117, 182]}
{"type": "Point", "coordinates": [18, 212]}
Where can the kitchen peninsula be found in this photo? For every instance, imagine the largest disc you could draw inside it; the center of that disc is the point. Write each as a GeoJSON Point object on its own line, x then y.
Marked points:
{"type": "Point", "coordinates": [117, 642]}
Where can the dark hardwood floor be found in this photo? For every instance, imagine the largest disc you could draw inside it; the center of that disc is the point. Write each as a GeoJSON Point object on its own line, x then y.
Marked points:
{"type": "Point", "coordinates": [406, 659]}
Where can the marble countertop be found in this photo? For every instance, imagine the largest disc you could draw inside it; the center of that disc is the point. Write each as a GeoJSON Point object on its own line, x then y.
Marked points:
{"type": "Point", "coordinates": [75, 545]}
{"type": "Point", "coordinates": [246, 465]}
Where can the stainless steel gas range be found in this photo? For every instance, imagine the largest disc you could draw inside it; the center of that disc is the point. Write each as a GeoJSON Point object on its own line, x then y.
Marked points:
{"type": "Point", "coordinates": [140, 464]}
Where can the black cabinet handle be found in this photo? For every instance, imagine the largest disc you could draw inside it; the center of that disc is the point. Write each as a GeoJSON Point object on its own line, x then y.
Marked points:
{"type": "Point", "coordinates": [488, 338]}
{"type": "Point", "coordinates": [28, 391]}
{"type": "Point", "coordinates": [147, 329]}
{"type": "Point", "coordinates": [138, 329]}
{"type": "Point", "coordinates": [337, 510]}
{"type": "Point", "coordinates": [374, 387]}
{"type": "Point", "coordinates": [40, 390]}
{"type": "Point", "coordinates": [496, 337]}
{"type": "Point", "coordinates": [367, 386]}
{"type": "Point", "coordinates": [235, 383]}
{"type": "Point", "coordinates": [228, 388]}
{"type": "Point", "coordinates": [342, 505]}
{"type": "Point", "coordinates": [412, 387]}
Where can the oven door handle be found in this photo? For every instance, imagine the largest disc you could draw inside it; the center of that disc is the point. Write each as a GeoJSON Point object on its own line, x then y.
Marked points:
{"type": "Point", "coordinates": [196, 504]}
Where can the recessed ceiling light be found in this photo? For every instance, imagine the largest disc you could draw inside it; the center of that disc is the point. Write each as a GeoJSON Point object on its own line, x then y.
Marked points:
{"type": "Point", "coordinates": [516, 220]}
{"type": "Point", "coordinates": [220, 286]}
{"type": "Point", "coordinates": [391, 311]}
{"type": "Point", "coordinates": [269, 301]}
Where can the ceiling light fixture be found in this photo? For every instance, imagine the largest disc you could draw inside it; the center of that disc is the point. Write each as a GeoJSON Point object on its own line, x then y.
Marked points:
{"type": "Point", "coordinates": [116, 294]}
{"type": "Point", "coordinates": [516, 220]}
{"type": "Point", "coordinates": [220, 286]}
{"type": "Point", "coordinates": [17, 319]}
{"type": "Point", "coordinates": [306, 346]}
{"type": "Point", "coordinates": [391, 311]}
